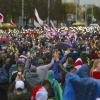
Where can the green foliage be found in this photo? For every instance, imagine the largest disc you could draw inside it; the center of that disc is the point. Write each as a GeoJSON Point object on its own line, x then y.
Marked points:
{"type": "Point", "coordinates": [96, 14]}
{"type": "Point", "coordinates": [70, 8]}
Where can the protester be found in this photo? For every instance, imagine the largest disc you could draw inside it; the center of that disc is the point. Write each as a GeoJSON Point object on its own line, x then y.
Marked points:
{"type": "Point", "coordinates": [95, 71]}
{"type": "Point", "coordinates": [19, 89]}
{"type": "Point", "coordinates": [56, 87]}
{"type": "Point", "coordinates": [69, 58]}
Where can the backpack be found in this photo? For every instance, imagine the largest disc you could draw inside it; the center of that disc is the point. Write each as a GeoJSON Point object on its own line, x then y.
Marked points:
{"type": "Point", "coordinates": [51, 91]}
{"type": "Point", "coordinates": [4, 77]}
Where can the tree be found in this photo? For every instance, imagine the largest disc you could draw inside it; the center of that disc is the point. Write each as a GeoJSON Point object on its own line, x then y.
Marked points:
{"type": "Point", "coordinates": [70, 8]}
{"type": "Point", "coordinates": [96, 13]}
{"type": "Point", "coordinates": [57, 11]}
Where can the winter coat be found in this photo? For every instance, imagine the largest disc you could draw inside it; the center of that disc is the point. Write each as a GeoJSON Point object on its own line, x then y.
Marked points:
{"type": "Point", "coordinates": [31, 77]}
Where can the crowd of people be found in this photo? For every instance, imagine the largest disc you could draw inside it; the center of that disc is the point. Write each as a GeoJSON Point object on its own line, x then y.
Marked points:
{"type": "Point", "coordinates": [46, 64]}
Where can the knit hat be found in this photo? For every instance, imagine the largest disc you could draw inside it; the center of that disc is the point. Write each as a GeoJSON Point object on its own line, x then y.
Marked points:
{"type": "Point", "coordinates": [78, 64]}
{"type": "Point", "coordinates": [22, 59]}
{"type": "Point", "coordinates": [19, 84]}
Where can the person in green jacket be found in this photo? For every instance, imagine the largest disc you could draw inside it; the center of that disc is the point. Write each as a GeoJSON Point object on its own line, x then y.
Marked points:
{"type": "Point", "coordinates": [56, 86]}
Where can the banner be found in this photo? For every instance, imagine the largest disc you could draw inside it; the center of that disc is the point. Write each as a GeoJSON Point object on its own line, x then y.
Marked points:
{"type": "Point", "coordinates": [1, 18]}
{"type": "Point", "coordinates": [40, 21]}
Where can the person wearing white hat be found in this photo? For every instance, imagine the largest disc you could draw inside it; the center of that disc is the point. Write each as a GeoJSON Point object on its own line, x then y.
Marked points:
{"type": "Point", "coordinates": [19, 92]}
{"type": "Point", "coordinates": [19, 85]}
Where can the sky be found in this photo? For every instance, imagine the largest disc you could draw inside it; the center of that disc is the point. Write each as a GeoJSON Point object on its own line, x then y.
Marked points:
{"type": "Point", "coordinates": [89, 2]}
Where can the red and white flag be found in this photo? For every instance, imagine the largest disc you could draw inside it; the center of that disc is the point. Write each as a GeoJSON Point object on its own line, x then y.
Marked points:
{"type": "Point", "coordinates": [78, 63]}
{"type": "Point", "coordinates": [1, 18]}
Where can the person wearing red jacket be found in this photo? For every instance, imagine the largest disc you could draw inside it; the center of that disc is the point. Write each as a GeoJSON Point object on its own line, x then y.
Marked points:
{"type": "Point", "coordinates": [95, 72]}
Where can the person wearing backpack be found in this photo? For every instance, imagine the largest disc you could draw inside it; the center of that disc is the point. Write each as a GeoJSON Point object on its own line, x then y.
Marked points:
{"type": "Point", "coordinates": [56, 88]}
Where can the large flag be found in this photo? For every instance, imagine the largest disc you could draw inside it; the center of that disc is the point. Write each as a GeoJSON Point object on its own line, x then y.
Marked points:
{"type": "Point", "coordinates": [36, 24]}
{"type": "Point", "coordinates": [52, 24]}
{"type": "Point", "coordinates": [49, 30]}
{"type": "Point", "coordinates": [1, 18]}
{"type": "Point", "coordinates": [40, 21]}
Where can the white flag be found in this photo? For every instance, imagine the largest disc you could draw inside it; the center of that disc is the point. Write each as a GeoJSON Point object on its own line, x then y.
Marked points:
{"type": "Point", "coordinates": [36, 24]}
{"type": "Point", "coordinates": [1, 18]}
{"type": "Point", "coordinates": [52, 24]}
{"type": "Point", "coordinates": [38, 18]}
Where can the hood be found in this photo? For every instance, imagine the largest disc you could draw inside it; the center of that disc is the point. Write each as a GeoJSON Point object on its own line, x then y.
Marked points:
{"type": "Point", "coordinates": [50, 75]}
{"type": "Point", "coordinates": [84, 71]}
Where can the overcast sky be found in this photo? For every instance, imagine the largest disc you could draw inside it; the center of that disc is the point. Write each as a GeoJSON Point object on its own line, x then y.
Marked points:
{"type": "Point", "coordinates": [96, 2]}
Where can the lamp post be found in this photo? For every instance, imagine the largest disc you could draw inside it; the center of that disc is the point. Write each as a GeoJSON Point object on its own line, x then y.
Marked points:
{"type": "Point", "coordinates": [22, 13]}
{"type": "Point", "coordinates": [76, 10]}
{"type": "Point", "coordinates": [48, 11]}
{"type": "Point", "coordinates": [86, 13]}
{"type": "Point", "coordinates": [92, 12]}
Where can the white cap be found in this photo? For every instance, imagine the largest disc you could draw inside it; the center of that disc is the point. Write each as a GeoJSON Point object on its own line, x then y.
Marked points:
{"type": "Point", "coordinates": [19, 84]}
{"type": "Point", "coordinates": [66, 53]}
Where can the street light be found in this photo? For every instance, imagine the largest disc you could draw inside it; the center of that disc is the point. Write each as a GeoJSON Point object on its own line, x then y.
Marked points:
{"type": "Point", "coordinates": [92, 12]}
{"type": "Point", "coordinates": [48, 11]}
{"type": "Point", "coordinates": [76, 12]}
{"type": "Point", "coordinates": [77, 2]}
{"type": "Point", "coordinates": [22, 13]}
{"type": "Point", "coordinates": [86, 13]}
